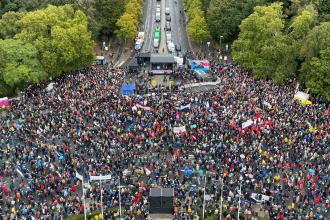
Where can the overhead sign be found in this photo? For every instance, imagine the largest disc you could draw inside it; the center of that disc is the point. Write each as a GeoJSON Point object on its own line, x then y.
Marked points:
{"type": "Point", "coordinates": [106, 177]}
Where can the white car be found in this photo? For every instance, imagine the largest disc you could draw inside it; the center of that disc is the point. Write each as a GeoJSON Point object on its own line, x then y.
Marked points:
{"type": "Point", "coordinates": [167, 11]}
{"type": "Point", "coordinates": [168, 36]}
{"type": "Point", "coordinates": [171, 46]}
{"type": "Point", "coordinates": [157, 17]}
{"type": "Point", "coordinates": [156, 43]}
{"type": "Point", "coordinates": [158, 10]}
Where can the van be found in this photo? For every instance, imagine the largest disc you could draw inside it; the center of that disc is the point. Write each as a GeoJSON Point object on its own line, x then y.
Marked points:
{"type": "Point", "coordinates": [157, 17]}
{"type": "Point", "coordinates": [167, 11]}
{"type": "Point", "coordinates": [156, 43]}
{"type": "Point", "coordinates": [168, 36]}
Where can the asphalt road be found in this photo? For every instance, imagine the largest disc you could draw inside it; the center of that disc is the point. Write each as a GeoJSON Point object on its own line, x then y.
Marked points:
{"type": "Point", "coordinates": [179, 34]}
{"type": "Point", "coordinates": [149, 14]}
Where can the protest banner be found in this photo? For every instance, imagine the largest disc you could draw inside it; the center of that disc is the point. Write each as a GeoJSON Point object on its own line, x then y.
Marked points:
{"type": "Point", "coordinates": [182, 107]}
{"type": "Point", "coordinates": [179, 129]}
{"type": "Point", "coordinates": [247, 123]}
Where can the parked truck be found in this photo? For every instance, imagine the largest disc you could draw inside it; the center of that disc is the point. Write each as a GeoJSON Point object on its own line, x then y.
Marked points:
{"type": "Point", "coordinates": [139, 41]}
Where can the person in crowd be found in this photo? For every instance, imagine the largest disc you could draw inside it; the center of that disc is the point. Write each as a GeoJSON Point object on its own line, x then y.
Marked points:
{"type": "Point", "coordinates": [197, 143]}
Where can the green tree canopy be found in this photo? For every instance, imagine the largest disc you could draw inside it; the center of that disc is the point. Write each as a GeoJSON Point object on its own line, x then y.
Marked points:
{"type": "Point", "coordinates": [106, 13]}
{"type": "Point", "coordinates": [315, 53]}
{"type": "Point", "coordinates": [263, 47]}
{"type": "Point", "coordinates": [225, 16]}
{"type": "Point", "coordinates": [61, 37]}
{"type": "Point", "coordinates": [317, 74]}
{"type": "Point", "coordinates": [19, 65]}
{"type": "Point", "coordinates": [127, 26]}
{"type": "Point", "coordinates": [197, 29]}
{"type": "Point", "coordinates": [9, 24]}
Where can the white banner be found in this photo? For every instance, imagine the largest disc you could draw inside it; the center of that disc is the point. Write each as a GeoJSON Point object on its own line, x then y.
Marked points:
{"type": "Point", "coordinates": [183, 107]}
{"type": "Point", "coordinates": [143, 107]}
{"type": "Point", "coordinates": [247, 123]}
{"type": "Point", "coordinates": [201, 84]}
{"type": "Point", "coordinates": [79, 176]}
{"type": "Point", "coordinates": [106, 177]}
{"type": "Point", "coordinates": [179, 129]}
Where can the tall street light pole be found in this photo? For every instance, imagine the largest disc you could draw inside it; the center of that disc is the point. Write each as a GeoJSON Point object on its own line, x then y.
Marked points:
{"type": "Point", "coordinates": [239, 196]}
{"type": "Point", "coordinates": [220, 41]}
{"type": "Point", "coordinates": [221, 200]}
{"type": "Point", "coordinates": [204, 196]}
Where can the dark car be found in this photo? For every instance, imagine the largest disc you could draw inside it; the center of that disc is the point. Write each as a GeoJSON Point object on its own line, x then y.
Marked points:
{"type": "Point", "coordinates": [168, 17]}
{"type": "Point", "coordinates": [178, 47]}
{"type": "Point", "coordinates": [168, 26]}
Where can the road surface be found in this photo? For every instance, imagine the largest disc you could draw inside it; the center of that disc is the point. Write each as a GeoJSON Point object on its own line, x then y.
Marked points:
{"type": "Point", "coordinates": [179, 34]}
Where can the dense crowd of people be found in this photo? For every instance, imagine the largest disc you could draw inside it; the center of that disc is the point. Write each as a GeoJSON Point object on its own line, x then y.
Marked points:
{"type": "Point", "coordinates": [277, 166]}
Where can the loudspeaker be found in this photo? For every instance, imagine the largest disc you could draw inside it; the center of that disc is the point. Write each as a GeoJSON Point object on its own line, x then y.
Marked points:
{"type": "Point", "coordinates": [161, 200]}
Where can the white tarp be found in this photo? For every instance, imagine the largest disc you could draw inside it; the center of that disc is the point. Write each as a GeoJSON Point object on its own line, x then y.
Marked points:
{"type": "Point", "coordinates": [106, 177]}
{"type": "Point", "coordinates": [247, 123]}
{"type": "Point", "coordinates": [50, 87]}
{"type": "Point", "coordinates": [301, 96]}
{"type": "Point", "coordinates": [179, 129]}
{"type": "Point", "coordinates": [179, 60]}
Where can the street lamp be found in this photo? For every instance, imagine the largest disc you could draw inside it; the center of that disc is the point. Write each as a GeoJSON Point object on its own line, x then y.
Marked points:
{"type": "Point", "coordinates": [221, 37]}
{"type": "Point", "coordinates": [221, 198]}
{"type": "Point", "coordinates": [204, 196]}
{"type": "Point", "coordinates": [239, 196]}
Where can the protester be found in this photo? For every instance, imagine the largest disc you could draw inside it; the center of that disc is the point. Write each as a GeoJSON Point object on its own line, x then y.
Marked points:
{"type": "Point", "coordinates": [186, 141]}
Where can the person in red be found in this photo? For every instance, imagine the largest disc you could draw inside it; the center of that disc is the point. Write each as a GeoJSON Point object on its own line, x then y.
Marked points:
{"type": "Point", "coordinates": [74, 188]}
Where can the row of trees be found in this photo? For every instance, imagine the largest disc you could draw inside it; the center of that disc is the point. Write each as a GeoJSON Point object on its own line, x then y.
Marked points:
{"type": "Point", "coordinates": [128, 23]}
{"type": "Point", "coordinates": [42, 44]}
{"type": "Point", "coordinates": [197, 27]}
{"type": "Point", "coordinates": [224, 16]}
{"type": "Point", "coordinates": [278, 48]}
{"type": "Point", "coordinates": [102, 14]}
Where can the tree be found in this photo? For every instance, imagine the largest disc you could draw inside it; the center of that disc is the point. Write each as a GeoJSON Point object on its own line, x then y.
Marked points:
{"type": "Point", "coordinates": [263, 47]}
{"type": "Point", "coordinates": [315, 54]}
{"type": "Point", "coordinates": [197, 29]}
{"type": "Point", "coordinates": [318, 79]}
{"type": "Point", "coordinates": [224, 16]}
{"type": "Point", "coordinates": [20, 65]}
{"type": "Point", "coordinates": [9, 24]}
{"type": "Point", "coordinates": [127, 26]}
{"type": "Point", "coordinates": [61, 37]}
{"type": "Point", "coordinates": [106, 13]}
{"type": "Point", "coordinates": [324, 10]}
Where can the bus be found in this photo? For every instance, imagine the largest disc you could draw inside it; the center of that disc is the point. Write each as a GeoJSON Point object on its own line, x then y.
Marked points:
{"type": "Point", "coordinates": [157, 34]}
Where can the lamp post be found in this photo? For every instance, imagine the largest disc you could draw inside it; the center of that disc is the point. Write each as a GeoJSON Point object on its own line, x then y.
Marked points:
{"type": "Point", "coordinates": [204, 197]}
{"type": "Point", "coordinates": [221, 198]}
{"type": "Point", "coordinates": [220, 41]}
{"type": "Point", "coordinates": [239, 196]}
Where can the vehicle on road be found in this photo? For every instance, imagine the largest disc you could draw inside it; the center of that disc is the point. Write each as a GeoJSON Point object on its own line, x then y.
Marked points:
{"type": "Point", "coordinates": [178, 47]}
{"type": "Point", "coordinates": [157, 17]}
{"type": "Point", "coordinates": [168, 26]}
{"type": "Point", "coordinates": [157, 34]}
{"type": "Point", "coordinates": [168, 17]}
{"type": "Point", "coordinates": [156, 43]}
{"type": "Point", "coordinates": [168, 36]}
{"type": "Point", "coordinates": [158, 10]}
{"type": "Point", "coordinates": [139, 40]}
{"type": "Point", "coordinates": [170, 47]}
{"type": "Point", "coordinates": [167, 11]}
